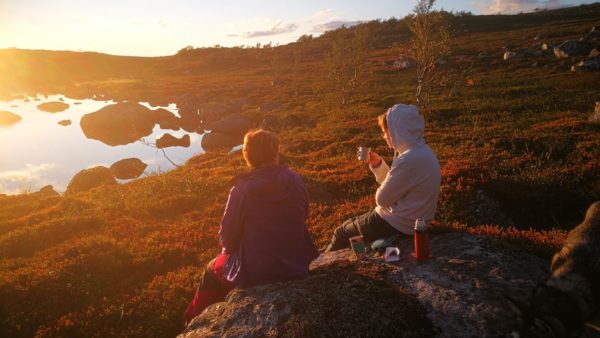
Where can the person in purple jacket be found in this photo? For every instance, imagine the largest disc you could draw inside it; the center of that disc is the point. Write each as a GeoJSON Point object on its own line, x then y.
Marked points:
{"type": "Point", "coordinates": [263, 232]}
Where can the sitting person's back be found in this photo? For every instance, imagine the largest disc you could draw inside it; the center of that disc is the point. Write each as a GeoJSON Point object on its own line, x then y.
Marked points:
{"type": "Point", "coordinates": [263, 234]}
{"type": "Point", "coordinates": [263, 227]}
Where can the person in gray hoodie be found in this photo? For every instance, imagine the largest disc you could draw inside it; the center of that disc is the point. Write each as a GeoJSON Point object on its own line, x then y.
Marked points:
{"type": "Point", "coordinates": [408, 190]}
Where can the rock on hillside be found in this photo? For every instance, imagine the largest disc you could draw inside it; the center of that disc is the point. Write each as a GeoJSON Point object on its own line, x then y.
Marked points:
{"type": "Point", "coordinates": [123, 123]}
{"type": "Point", "coordinates": [595, 117]}
{"type": "Point", "coordinates": [461, 289]}
{"type": "Point", "coordinates": [53, 107]}
{"type": "Point", "coordinates": [90, 178]}
{"type": "Point", "coordinates": [128, 168]}
{"type": "Point", "coordinates": [7, 118]}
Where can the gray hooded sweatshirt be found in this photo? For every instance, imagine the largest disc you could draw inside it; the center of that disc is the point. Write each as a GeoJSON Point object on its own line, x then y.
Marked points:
{"type": "Point", "coordinates": [410, 188]}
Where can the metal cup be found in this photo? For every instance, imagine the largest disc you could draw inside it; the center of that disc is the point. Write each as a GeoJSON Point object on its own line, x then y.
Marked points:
{"type": "Point", "coordinates": [363, 153]}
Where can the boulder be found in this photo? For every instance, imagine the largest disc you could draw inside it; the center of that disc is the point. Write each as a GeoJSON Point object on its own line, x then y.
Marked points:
{"type": "Point", "coordinates": [461, 288]}
{"type": "Point", "coordinates": [7, 118]}
{"type": "Point", "coordinates": [509, 55]}
{"type": "Point", "coordinates": [65, 122]}
{"type": "Point", "coordinates": [587, 65]}
{"type": "Point", "coordinates": [343, 299]}
{"type": "Point", "coordinates": [128, 168]}
{"type": "Point", "coordinates": [88, 179]}
{"type": "Point", "coordinates": [595, 117]}
{"type": "Point", "coordinates": [48, 190]}
{"type": "Point", "coordinates": [118, 124]}
{"type": "Point", "coordinates": [404, 63]}
{"type": "Point", "coordinates": [570, 48]}
{"type": "Point", "coordinates": [190, 111]}
{"type": "Point", "coordinates": [168, 140]}
{"type": "Point", "coordinates": [53, 107]}
{"type": "Point", "coordinates": [217, 142]}
{"type": "Point", "coordinates": [235, 126]}
{"type": "Point", "coordinates": [166, 119]}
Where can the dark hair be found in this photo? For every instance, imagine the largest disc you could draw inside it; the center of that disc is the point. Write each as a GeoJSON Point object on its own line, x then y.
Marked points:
{"type": "Point", "coordinates": [382, 121]}
{"type": "Point", "coordinates": [261, 147]}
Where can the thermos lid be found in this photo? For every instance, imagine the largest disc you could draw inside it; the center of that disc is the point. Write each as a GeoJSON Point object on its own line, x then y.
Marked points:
{"type": "Point", "coordinates": [420, 224]}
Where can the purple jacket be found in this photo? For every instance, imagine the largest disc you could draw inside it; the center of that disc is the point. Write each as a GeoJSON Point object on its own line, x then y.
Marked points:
{"type": "Point", "coordinates": [263, 228]}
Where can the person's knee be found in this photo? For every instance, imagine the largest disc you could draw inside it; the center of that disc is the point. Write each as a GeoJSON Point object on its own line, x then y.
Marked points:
{"type": "Point", "coordinates": [339, 232]}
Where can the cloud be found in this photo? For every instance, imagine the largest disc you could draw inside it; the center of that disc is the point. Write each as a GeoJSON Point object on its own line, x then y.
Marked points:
{"type": "Point", "coordinates": [14, 181]}
{"type": "Point", "coordinates": [278, 28]}
{"type": "Point", "coordinates": [516, 6]}
{"type": "Point", "coordinates": [331, 25]}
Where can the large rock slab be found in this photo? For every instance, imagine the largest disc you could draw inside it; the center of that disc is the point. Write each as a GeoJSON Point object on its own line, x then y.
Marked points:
{"type": "Point", "coordinates": [344, 299]}
{"type": "Point", "coordinates": [88, 179]}
{"type": "Point", "coordinates": [7, 118]}
{"type": "Point", "coordinates": [53, 107]}
{"type": "Point", "coordinates": [120, 123]}
{"type": "Point", "coordinates": [461, 287]}
{"type": "Point", "coordinates": [128, 168]}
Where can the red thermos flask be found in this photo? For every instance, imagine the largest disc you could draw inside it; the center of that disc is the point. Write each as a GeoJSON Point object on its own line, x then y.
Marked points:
{"type": "Point", "coordinates": [421, 240]}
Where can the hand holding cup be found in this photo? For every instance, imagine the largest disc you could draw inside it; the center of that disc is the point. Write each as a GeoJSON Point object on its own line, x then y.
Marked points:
{"type": "Point", "coordinates": [368, 156]}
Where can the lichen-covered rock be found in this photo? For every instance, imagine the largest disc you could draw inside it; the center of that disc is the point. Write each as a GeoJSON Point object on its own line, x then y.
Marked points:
{"type": "Point", "coordinates": [53, 107]}
{"type": "Point", "coordinates": [461, 287]}
{"type": "Point", "coordinates": [128, 168]}
{"type": "Point", "coordinates": [7, 118]}
{"type": "Point", "coordinates": [168, 140]}
{"type": "Point", "coordinates": [344, 299]}
{"type": "Point", "coordinates": [88, 179]}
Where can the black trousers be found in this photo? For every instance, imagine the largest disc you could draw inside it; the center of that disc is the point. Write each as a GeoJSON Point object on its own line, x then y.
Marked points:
{"type": "Point", "coordinates": [370, 225]}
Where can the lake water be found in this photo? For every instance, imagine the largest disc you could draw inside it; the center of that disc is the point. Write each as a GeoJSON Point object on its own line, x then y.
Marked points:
{"type": "Point", "coordinates": [37, 151]}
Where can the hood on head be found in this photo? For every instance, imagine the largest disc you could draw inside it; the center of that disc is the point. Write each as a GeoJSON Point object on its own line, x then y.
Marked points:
{"type": "Point", "coordinates": [405, 126]}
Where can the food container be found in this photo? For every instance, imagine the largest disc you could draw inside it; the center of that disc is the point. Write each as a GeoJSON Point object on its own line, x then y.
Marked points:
{"type": "Point", "coordinates": [357, 243]}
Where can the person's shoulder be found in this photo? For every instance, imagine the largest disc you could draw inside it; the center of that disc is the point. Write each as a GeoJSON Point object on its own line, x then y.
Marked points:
{"type": "Point", "coordinates": [292, 173]}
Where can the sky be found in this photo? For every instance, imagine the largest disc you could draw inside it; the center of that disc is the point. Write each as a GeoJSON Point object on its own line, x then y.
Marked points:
{"type": "Point", "coordinates": [154, 28]}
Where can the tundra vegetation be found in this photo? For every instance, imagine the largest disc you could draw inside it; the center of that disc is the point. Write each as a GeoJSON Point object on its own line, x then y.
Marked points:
{"type": "Point", "coordinates": [520, 160]}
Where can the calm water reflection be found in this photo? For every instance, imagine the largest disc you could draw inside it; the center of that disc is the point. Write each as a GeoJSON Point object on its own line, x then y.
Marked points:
{"type": "Point", "coordinates": [37, 151]}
